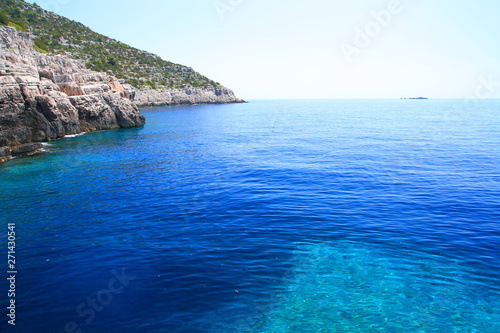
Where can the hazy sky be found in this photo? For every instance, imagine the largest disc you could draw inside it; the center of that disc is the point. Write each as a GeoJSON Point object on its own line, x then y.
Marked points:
{"type": "Point", "coordinates": [264, 49]}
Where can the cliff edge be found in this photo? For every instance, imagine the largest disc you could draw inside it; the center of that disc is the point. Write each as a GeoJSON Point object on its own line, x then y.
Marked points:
{"type": "Point", "coordinates": [160, 97]}
{"type": "Point", "coordinates": [45, 97]}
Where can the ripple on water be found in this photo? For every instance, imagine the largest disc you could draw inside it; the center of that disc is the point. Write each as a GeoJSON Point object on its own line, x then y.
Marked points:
{"type": "Point", "coordinates": [352, 287]}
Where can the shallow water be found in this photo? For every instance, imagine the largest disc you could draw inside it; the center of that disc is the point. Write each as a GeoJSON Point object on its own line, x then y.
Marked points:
{"type": "Point", "coordinates": [272, 216]}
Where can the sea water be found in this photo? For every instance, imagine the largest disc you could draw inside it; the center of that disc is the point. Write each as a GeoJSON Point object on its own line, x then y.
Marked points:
{"type": "Point", "coordinates": [271, 216]}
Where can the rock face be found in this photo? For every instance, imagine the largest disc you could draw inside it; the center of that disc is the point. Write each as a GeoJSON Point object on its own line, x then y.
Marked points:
{"type": "Point", "coordinates": [185, 96]}
{"type": "Point", "coordinates": [45, 97]}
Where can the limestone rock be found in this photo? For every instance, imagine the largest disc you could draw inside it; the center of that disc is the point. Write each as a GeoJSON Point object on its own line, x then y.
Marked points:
{"type": "Point", "coordinates": [45, 97]}
{"type": "Point", "coordinates": [185, 96]}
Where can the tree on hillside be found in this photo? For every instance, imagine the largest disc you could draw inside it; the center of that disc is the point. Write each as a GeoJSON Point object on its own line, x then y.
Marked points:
{"type": "Point", "coordinates": [112, 61]}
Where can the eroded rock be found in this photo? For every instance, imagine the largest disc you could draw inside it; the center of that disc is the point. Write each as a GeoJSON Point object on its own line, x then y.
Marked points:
{"type": "Point", "coordinates": [45, 97]}
{"type": "Point", "coordinates": [185, 96]}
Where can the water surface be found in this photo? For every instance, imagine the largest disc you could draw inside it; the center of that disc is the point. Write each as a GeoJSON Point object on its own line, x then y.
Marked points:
{"type": "Point", "coordinates": [272, 216]}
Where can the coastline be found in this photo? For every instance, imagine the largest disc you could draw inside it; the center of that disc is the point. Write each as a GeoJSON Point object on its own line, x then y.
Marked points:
{"type": "Point", "coordinates": [188, 96]}
{"type": "Point", "coordinates": [48, 97]}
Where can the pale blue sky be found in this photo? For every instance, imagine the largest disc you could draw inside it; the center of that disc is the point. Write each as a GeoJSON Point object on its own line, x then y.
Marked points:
{"type": "Point", "coordinates": [265, 49]}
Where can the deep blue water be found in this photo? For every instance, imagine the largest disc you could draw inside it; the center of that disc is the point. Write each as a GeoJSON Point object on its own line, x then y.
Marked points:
{"type": "Point", "coordinates": [272, 216]}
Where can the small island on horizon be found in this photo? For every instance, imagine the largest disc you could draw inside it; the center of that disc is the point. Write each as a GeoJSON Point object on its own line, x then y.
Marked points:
{"type": "Point", "coordinates": [415, 98]}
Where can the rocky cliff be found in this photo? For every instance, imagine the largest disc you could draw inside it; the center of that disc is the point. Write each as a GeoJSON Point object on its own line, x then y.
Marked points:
{"type": "Point", "coordinates": [45, 97]}
{"type": "Point", "coordinates": [185, 96]}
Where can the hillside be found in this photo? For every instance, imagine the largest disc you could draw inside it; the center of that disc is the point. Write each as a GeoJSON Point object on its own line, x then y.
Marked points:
{"type": "Point", "coordinates": [58, 35]}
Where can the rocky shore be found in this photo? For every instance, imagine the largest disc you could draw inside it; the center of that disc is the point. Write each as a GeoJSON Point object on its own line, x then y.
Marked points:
{"type": "Point", "coordinates": [185, 96]}
{"type": "Point", "coordinates": [45, 97]}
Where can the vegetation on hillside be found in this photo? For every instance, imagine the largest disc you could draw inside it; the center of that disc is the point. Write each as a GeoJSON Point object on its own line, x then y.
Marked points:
{"type": "Point", "coordinates": [59, 35]}
{"type": "Point", "coordinates": [4, 20]}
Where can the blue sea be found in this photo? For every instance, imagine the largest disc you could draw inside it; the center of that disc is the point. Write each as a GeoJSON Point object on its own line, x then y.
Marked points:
{"type": "Point", "coordinates": [272, 216]}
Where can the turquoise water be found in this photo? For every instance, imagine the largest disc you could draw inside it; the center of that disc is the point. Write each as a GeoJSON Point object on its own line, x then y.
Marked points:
{"type": "Point", "coordinates": [272, 216]}
{"type": "Point", "coordinates": [352, 287]}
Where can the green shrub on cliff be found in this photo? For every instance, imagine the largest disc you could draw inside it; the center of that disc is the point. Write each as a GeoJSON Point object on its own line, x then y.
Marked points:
{"type": "Point", "coordinates": [59, 35]}
{"type": "Point", "coordinates": [3, 19]}
{"type": "Point", "coordinates": [17, 26]}
{"type": "Point", "coordinates": [40, 45]}
{"type": "Point", "coordinates": [112, 61]}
